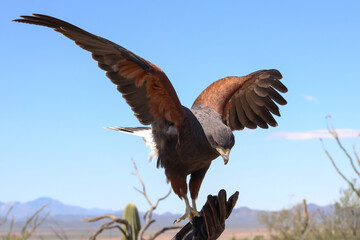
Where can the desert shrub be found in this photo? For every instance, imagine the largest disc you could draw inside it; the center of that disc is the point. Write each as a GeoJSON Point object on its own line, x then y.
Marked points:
{"type": "Point", "coordinates": [343, 222]}
{"type": "Point", "coordinates": [289, 224]}
{"type": "Point", "coordinates": [31, 224]}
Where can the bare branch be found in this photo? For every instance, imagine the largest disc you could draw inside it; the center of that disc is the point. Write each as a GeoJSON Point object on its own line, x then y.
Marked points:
{"type": "Point", "coordinates": [160, 199]}
{"type": "Point", "coordinates": [339, 172]}
{"type": "Point", "coordinates": [35, 222]}
{"type": "Point", "coordinates": [164, 230]}
{"type": "Point", "coordinates": [357, 156]}
{"type": "Point", "coordinates": [336, 136]}
{"type": "Point", "coordinates": [143, 192]}
{"type": "Point", "coordinates": [61, 234]}
{"type": "Point", "coordinates": [3, 221]}
{"type": "Point", "coordinates": [109, 225]}
{"type": "Point", "coordinates": [115, 220]}
{"type": "Point", "coordinates": [102, 217]}
{"type": "Point", "coordinates": [10, 228]}
{"type": "Point", "coordinates": [148, 214]}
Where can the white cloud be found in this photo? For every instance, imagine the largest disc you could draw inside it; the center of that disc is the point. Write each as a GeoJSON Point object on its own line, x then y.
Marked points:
{"type": "Point", "coordinates": [314, 134]}
{"type": "Point", "coordinates": [310, 98]}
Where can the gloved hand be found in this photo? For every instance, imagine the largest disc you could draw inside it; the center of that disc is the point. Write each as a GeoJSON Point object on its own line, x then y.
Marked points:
{"type": "Point", "coordinates": [211, 222]}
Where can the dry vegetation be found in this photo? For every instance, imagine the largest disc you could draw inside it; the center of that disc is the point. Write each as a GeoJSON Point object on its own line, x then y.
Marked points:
{"type": "Point", "coordinates": [32, 223]}
{"type": "Point", "coordinates": [341, 222]}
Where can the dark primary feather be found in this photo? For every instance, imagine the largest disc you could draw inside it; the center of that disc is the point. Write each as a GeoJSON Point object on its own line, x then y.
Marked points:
{"type": "Point", "coordinates": [135, 77]}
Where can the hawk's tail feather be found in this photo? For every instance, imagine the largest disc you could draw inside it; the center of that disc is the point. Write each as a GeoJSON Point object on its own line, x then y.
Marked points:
{"type": "Point", "coordinates": [145, 133]}
{"type": "Point", "coordinates": [131, 130]}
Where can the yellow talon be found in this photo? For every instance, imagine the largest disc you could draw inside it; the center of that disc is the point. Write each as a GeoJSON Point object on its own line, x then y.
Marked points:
{"type": "Point", "coordinates": [190, 212]}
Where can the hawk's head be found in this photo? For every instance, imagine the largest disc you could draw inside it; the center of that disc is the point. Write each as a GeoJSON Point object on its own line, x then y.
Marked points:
{"type": "Point", "coordinates": [222, 139]}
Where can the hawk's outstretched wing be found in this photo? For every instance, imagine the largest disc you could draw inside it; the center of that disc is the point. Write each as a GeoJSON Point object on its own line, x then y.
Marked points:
{"type": "Point", "coordinates": [246, 101]}
{"type": "Point", "coordinates": [144, 86]}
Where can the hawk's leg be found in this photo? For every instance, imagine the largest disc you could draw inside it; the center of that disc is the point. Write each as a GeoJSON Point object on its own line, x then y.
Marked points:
{"type": "Point", "coordinates": [194, 207]}
{"type": "Point", "coordinates": [180, 188]}
{"type": "Point", "coordinates": [194, 186]}
{"type": "Point", "coordinates": [190, 213]}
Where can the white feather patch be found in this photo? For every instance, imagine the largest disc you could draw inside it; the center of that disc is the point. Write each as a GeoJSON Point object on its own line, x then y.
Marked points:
{"type": "Point", "coordinates": [146, 135]}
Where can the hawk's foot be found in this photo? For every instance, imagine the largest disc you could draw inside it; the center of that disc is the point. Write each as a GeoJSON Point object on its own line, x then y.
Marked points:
{"type": "Point", "coordinates": [190, 212]}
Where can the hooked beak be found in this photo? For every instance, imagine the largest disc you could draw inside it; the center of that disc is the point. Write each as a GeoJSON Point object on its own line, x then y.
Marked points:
{"type": "Point", "coordinates": [224, 154]}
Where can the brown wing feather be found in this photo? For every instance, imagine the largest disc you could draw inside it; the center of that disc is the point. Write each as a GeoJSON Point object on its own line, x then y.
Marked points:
{"type": "Point", "coordinates": [246, 101]}
{"type": "Point", "coordinates": [144, 86]}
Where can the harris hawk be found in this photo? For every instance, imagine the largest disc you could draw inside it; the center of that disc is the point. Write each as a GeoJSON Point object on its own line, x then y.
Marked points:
{"type": "Point", "coordinates": [185, 140]}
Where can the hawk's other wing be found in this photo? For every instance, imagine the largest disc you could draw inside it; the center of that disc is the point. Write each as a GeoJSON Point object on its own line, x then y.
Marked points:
{"type": "Point", "coordinates": [246, 101]}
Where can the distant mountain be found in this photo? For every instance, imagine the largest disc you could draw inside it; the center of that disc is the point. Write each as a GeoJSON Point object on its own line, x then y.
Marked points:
{"type": "Point", "coordinates": [243, 217]}
{"type": "Point", "coordinates": [55, 207]}
{"type": "Point", "coordinates": [326, 209]}
{"type": "Point", "coordinates": [72, 217]}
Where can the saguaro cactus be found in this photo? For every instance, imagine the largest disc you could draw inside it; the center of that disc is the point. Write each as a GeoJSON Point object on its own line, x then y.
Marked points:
{"type": "Point", "coordinates": [131, 215]}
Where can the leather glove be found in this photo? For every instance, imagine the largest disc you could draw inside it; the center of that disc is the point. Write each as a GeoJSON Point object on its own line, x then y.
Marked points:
{"type": "Point", "coordinates": [211, 222]}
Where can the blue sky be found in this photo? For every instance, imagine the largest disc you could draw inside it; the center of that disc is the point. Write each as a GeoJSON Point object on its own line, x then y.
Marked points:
{"type": "Point", "coordinates": [55, 102]}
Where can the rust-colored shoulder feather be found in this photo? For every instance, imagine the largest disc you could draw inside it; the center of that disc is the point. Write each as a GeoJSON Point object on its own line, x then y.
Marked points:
{"type": "Point", "coordinates": [246, 101]}
{"type": "Point", "coordinates": [144, 86]}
